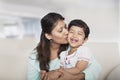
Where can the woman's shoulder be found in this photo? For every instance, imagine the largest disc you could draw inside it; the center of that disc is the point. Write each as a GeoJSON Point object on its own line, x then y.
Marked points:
{"type": "Point", "coordinates": [33, 55]}
{"type": "Point", "coordinates": [32, 60]}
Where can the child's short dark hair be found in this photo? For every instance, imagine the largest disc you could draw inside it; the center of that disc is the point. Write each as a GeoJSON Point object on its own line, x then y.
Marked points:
{"type": "Point", "coordinates": [81, 24]}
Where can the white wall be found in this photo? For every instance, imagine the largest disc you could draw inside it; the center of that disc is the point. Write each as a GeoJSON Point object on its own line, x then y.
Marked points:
{"type": "Point", "coordinates": [119, 27]}
{"type": "Point", "coordinates": [22, 10]}
{"type": "Point", "coordinates": [102, 16]}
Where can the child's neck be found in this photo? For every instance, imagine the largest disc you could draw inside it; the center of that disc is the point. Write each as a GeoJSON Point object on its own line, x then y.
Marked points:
{"type": "Point", "coordinates": [71, 51]}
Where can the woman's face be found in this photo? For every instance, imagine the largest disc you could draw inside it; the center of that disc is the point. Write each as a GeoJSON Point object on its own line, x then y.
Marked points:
{"type": "Point", "coordinates": [59, 33]}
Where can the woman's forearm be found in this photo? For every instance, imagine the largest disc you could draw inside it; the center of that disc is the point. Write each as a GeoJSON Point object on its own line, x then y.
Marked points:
{"type": "Point", "coordinates": [80, 76]}
{"type": "Point", "coordinates": [67, 76]}
{"type": "Point", "coordinates": [54, 74]}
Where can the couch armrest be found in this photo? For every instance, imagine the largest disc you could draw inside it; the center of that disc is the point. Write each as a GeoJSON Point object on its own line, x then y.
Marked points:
{"type": "Point", "coordinates": [115, 74]}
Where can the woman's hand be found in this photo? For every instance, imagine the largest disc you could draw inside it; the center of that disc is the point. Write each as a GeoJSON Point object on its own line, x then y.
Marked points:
{"type": "Point", "coordinates": [54, 74]}
{"type": "Point", "coordinates": [67, 76]}
{"type": "Point", "coordinates": [51, 75]}
{"type": "Point", "coordinates": [43, 75]}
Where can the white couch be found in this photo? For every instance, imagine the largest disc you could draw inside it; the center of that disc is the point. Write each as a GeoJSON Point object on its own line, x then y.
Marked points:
{"type": "Point", "coordinates": [13, 58]}
{"type": "Point", "coordinates": [14, 54]}
{"type": "Point", "coordinates": [107, 54]}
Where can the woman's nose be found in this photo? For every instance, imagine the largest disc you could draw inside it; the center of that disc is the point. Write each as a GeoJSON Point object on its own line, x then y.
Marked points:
{"type": "Point", "coordinates": [66, 31]}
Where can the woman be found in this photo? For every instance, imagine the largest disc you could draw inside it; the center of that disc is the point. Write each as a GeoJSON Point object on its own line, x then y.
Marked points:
{"type": "Point", "coordinates": [46, 55]}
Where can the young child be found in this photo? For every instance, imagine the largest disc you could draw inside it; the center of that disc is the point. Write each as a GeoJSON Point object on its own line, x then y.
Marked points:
{"type": "Point", "coordinates": [77, 57]}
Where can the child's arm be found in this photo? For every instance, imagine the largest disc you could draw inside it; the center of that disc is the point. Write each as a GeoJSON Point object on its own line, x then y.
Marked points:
{"type": "Point", "coordinates": [80, 66]}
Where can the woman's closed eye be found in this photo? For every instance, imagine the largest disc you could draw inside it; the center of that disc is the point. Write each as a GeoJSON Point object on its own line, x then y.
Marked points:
{"type": "Point", "coordinates": [60, 30]}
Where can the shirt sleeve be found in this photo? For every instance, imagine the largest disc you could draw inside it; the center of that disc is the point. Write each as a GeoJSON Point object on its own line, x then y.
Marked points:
{"type": "Point", "coordinates": [33, 72]}
{"type": "Point", "coordinates": [92, 72]}
{"type": "Point", "coordinates": [84, 54]}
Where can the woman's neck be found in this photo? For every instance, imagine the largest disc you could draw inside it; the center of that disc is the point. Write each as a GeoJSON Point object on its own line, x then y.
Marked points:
{"type": "Point", "coordinates": [54, 48]}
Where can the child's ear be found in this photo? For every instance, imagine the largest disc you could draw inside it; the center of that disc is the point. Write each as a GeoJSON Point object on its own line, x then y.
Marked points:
{"type": "Point", "coordinates": [48, 36]}
{"type": "Point", "coordinates": [85, 40]}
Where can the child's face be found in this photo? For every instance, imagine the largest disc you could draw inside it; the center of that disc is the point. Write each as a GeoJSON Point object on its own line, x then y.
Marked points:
{"type": "Point", "coordinates": [76, 36]}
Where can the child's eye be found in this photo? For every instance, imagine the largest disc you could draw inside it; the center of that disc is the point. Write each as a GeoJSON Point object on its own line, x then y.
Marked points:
{"type": "Point", "coordinates": [79, 34]}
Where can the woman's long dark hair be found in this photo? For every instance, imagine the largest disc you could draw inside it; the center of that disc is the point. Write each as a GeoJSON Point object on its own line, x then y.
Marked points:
{"type": "Point", "coordinates": [48, 23]}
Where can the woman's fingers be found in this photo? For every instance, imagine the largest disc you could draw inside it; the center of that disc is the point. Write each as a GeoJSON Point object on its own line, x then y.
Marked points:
{"type": "Point", "coordinates": [46, 77]}
{"type": "Point", "coordinates": [65, 75]}
{"type": "Point", "coordinates": [43, 75]}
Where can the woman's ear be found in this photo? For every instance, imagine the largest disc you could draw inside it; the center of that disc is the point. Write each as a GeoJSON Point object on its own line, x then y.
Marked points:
{"type": "Point", "coordinates": [48, 36]}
